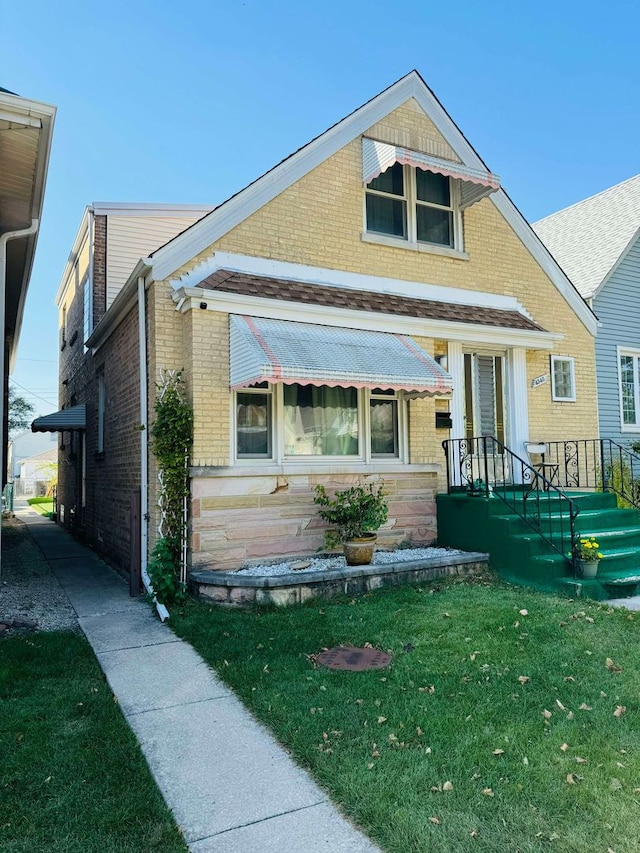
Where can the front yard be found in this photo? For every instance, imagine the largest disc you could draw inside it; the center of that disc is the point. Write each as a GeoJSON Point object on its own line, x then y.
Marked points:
{"type": "Point", "coordinates": [508, 721]}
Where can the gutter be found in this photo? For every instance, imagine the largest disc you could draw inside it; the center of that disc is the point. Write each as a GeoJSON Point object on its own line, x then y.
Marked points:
{"type": "Point", "coordinates": [163, 613]}
{"type": "Point", "coordinates": [4, 239]}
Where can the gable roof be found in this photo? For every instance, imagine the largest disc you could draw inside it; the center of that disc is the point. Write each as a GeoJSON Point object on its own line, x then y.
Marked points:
{"type": "Point", "coordinates": [589, 238]}
{"type": "Point", "coordinates": [167, 260]}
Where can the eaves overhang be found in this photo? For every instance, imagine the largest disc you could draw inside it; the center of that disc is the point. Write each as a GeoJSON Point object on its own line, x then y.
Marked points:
{"type": "Point", "coordinates": [194, 298]}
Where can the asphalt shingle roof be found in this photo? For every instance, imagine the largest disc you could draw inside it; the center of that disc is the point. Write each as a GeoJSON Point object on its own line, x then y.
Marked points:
{"type": "Point", "coordinates": [247, 284]}
{"type": "Point", "coordinates": [587, 238]}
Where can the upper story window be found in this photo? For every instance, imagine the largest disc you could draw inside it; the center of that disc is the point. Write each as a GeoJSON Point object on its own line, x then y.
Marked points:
{"type": "Point", "coordinates": [415, 205]}
{"type": "Point", "coordinates": [563, 385]}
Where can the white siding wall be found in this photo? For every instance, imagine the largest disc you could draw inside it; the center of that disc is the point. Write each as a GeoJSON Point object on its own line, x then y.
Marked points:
{"type": "Point", "coordinates": [618, 309]}
{"type": "Point", "coordinates": [130, 238]}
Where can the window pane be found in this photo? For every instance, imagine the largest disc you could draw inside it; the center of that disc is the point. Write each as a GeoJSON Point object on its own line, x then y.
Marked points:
{"type": "Point", "coordinates": [391, 181]}
{"type": "Point", "coordinates": [434, 225]}
{"type": "Point", "coordinates": [432, 187]}
{"type": "Point", "coordinates": [320, 421]}
{"type": "Point", "coordinates": [386, 215]}
{"type": "Point", "coordinates": [628, 390]}
{"type": "Point", "coordinates": [563, 378]}
{"type": "Point", "coordinates": [253, 419]}
{"type": "Point", "coordinates": [384, 427]}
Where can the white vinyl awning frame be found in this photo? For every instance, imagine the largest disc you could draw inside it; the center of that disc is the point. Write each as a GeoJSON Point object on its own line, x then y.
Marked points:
{"type": "Point", "coordinates": [475, 184]}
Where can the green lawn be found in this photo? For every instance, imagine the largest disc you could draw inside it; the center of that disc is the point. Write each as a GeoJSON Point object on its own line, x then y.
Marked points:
{"type": "Point", "coordinates": [495, 729]}
{"type": "Point", "coordinates": [72, 778]}
{"type": "Point", "coordinates": [42, 505]}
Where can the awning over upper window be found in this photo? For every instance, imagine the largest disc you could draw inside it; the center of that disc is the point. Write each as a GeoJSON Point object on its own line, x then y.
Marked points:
{"type": "Point", "coordinates": [265, 350]}
{"type": "Point", "coordinates": [73, 418]}
{"type": "Point", "coordinates": [475, 184]}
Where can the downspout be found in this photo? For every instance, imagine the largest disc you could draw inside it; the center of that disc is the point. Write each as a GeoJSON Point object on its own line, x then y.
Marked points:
{"type": "Point", "coordinates": [163, 613]}
{"type": "Point", "coordinates": [4, 239]}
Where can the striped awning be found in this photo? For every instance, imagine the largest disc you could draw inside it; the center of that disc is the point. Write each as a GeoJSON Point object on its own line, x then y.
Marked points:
{"type": "Point", "coordinates": [263, 350]}
{"type": "Point", "coordinates": [475, 184]}
{"type": "Point", "coordinates": [73, 418]}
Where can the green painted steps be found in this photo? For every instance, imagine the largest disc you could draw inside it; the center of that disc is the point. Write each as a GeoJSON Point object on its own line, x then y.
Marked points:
{"type": "Point", "coordinates": [520, 555]}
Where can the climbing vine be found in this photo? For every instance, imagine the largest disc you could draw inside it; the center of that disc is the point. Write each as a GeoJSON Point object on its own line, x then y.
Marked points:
{"type": "Point", "coordinates": [171, 439]}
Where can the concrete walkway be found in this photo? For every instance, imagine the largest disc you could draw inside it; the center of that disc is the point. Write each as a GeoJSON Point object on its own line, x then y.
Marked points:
{"type": "Point", "coordinates": [231, 787]}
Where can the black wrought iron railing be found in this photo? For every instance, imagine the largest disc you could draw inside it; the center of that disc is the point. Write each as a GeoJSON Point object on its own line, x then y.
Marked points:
{"type": "Point", "coordinates": [486, 467]}
{"type": "Point", "coordinates": [596, 463]}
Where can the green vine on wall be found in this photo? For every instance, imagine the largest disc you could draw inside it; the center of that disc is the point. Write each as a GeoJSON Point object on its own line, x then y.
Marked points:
{"type": "Point", "coordinates": [171, 440]}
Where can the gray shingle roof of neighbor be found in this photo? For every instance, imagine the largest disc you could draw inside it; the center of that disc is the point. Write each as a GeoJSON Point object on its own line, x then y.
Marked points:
{"type": "Point", "coordinates": [588, 238]}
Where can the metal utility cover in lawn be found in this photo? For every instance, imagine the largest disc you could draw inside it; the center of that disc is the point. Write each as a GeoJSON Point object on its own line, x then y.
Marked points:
{"type": "Point", "coordinates": [353, 659]}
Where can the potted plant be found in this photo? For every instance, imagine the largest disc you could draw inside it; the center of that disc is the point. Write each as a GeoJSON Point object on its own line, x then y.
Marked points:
{"type": "Point", "coordinates": [587, 555]}
{"type": "Point", "coordinates": [354, 515]}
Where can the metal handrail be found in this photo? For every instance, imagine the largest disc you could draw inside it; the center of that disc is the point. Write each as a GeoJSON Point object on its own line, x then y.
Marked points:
{"type": "Point", "coordinates": [525, 490]}
{"type": "Point", "coordinates": [596, 463]}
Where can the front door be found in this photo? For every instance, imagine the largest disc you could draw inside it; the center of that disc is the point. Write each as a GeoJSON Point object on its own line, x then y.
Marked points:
{"type": "Point", "coordinates": [484, 395]}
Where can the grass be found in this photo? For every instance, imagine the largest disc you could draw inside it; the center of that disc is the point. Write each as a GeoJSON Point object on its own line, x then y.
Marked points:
{"type": "Point", "coordinates": [494, 729]}
{"type": "Point", "coordinates": [72, 777]}
{"type": "Point", "coordinates": [42, 505]}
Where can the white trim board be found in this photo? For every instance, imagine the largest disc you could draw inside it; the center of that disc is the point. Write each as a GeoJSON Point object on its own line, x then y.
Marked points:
{"type": "Point", "coordinates": [190, 299]}
{"type": "Point", "coordinates": [348, 280]}
{"type": "Point", "coordinates": [196, 239]}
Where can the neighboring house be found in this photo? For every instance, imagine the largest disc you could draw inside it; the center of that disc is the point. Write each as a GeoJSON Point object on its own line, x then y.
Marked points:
{"type": "Point", "coordinates": [26, 444]}
{"type": "Point", "coordinates": [371, 295]}
{"type": "Point", "coordinates": [37, 474]}
{"type": "Point", "coordinates": [597, 243]}
{"type": "Point", "coordinates": [26, 128]}
{"type": "Point", "coordinates": [109, 241]}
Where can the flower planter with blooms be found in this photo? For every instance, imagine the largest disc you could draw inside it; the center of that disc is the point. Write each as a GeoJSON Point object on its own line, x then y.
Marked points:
{"type": "Point", "coordinates": [354, 515]}
{"type": "Point", "coordinates": [586, 553]}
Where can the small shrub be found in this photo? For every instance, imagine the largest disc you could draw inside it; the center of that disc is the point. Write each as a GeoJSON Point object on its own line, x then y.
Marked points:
{"type": "Point", "coordinates": [353, 513]}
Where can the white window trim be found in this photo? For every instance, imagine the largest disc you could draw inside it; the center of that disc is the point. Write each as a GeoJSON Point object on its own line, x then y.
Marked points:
{"type": "Point", "coordinates": [554, 396]}
{"type": "Point", "coordinates": [365, 457]}
{"type": "Point", "coordinates": [411, 201]}
{"type": "Point", "coordinates": [635, 354]}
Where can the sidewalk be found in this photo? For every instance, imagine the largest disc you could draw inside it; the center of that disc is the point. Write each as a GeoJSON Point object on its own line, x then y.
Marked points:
{"type": "Point", "coordinates": [231, 787]}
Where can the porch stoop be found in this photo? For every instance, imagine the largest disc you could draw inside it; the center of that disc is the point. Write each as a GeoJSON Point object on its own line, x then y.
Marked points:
{"type": "Point", "coordinates": [522, 556]}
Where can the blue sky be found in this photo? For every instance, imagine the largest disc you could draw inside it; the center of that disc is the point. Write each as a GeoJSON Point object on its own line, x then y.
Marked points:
{"type": "Point", "coordinates": [188, 102]}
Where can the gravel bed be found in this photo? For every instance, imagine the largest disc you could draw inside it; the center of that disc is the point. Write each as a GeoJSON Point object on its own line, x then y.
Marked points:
{"type": "Point", "coordinates": [318, 564]}
{"type": "Point", "coordinates": [31, 598]}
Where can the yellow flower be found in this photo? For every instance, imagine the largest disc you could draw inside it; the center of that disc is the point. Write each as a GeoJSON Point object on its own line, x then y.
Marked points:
{"type": "Point", "coordinates": [600, 556]}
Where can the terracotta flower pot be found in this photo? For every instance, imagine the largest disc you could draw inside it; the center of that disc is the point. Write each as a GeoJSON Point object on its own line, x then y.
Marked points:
{"type": "Point", "coordinates": [359, 552]}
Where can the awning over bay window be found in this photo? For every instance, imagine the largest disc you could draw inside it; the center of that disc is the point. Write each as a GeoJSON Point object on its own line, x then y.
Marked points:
{"type": "Point", "coordinates": [263, 350]}
{"type": "Point", "coordinates": [475, 184]}
{"type": "Point", "coordinates": [73, 418]}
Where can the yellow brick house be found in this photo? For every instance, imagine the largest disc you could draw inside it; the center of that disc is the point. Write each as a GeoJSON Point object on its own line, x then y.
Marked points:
{"type": "Point", "coordinates": [370, 296]}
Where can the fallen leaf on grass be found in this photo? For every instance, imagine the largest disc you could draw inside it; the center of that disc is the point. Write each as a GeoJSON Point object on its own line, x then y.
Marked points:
{"type": "Point", "coordinates": [589, 619]}
{"type": "Point", "coordinates": [429, 689]}
{"type": "Point", "coordinates": [523, 612]}
{"type": "Point", "coordinates": [524, 679]}
{"type": "Point", "coordinates": [546, 714]}
{"type": "Point", "coordinates": [382, 719]}
{"type": "Point", "coordinates": [585, 707]}
{"type": "Point", "coordinates": [570, 715]}
{"type": "Point", "coordinates": [370, 766]}
{"type": "Point", "coordinates": [448, 786]}
{"type": "Point", "coordinates": [498, 751]}
{"type": "Point", "coordinates": [571, 779]}
{"type": "Point", "coordinates": [560, 705]}
{"type": "Point", "coordinates": [620, 710]}
{"type": "Point", "coordinates": [615, 784]}
{"type": "Point", "coordinates": [568, 678]}
{"type": "Point", "coordinates": [564, 747]}
{"type": "Point", "coordinates": [435, 820]}
{"type": "Point", "coordinates": [611, 666]}
{"type": "Point", "coordinates": [488, 792]}
{"type": "Point", "coordinates": [580, 760]}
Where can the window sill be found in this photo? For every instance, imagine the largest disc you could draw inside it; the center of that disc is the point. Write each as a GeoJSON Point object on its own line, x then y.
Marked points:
{"type": "Point", "coordinates": [631, 428]}
{"type": "Point", "coordinates": [427, 248]}
{"type": "Point", "coordinates": [270, 468]}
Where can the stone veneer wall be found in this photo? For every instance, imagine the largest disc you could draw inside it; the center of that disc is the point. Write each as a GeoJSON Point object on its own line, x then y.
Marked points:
{"type": "Point", "coordinates": [236, 519]}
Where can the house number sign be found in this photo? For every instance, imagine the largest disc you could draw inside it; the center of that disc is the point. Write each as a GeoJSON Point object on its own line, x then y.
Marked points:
{"type": "Point", "coordinates": [539, 380]}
